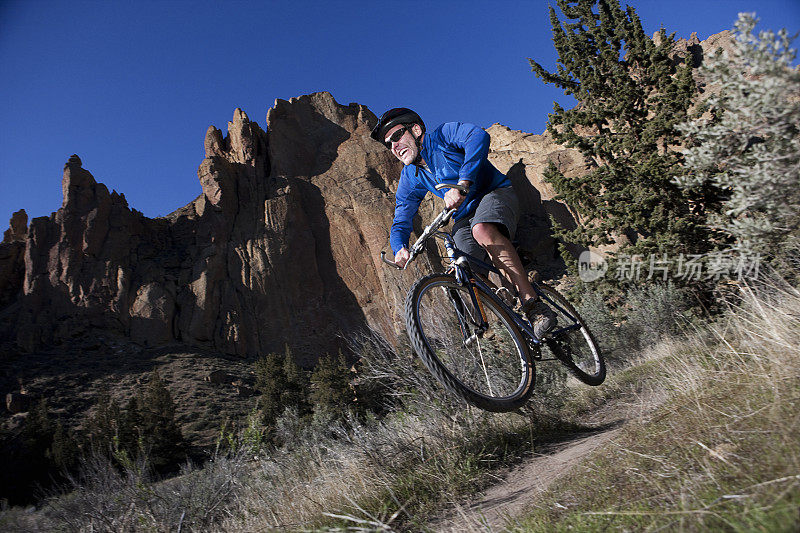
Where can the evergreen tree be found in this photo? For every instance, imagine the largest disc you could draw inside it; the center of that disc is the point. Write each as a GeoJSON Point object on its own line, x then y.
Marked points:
{"type": "Point", "coordinates": [129, 429]}
{"type": "Point", "coordinates": [631, 95]}
{"type": "Point", "coordinates": [270, 382]}
{"type": "Point", "coordinates": [37, 432]}
{"type": "Point", "coordinates": [159, 432]}
{"type": "Point", "coordinates": [112, 430]}
{"type": "Point", "coordinates": [36, 457]}
{"type": "Point", "coordinates": [33, 454]}
{"type": "Point", "coordinates": [103, 426]}
{"type": "Point", "coordinates": [749, 143]}
{"type": "Point", "coordinates": [282, 384]}
{"type": "Point", "coordinates": [146, 427]}
{"type": "Point", "coordinates": [331, 383]}
{"type": "Point", "coordinates": [297, 386]}
{"type": "Point", "coordinates": [64, 451]}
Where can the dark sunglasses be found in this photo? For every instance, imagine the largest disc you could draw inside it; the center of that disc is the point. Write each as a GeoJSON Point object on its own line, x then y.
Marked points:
{"type": "Point", "coordinates": [396, 136]}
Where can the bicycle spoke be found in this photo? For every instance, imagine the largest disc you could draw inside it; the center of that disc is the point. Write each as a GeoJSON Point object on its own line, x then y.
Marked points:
{"type": "Point", "coordinates": [485, 359]}
{"type": "Point", "coordinates": [572, 343]}
{"type": "Point", "coordinates": [485, 372]}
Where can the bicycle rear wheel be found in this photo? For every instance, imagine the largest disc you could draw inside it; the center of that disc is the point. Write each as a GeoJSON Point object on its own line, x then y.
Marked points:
{"type": "Point", "coordinates": [571, 342]}
{"type": "Point", "coordinates": [490, 368]}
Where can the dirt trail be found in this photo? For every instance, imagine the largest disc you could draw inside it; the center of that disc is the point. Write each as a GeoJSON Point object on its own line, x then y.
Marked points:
{"type": "Point", "coordinates": [520, 485]}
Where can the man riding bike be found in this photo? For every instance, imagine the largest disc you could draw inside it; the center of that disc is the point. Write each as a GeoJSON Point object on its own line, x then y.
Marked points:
{"type": "Point", "coordinates": [486, 215]}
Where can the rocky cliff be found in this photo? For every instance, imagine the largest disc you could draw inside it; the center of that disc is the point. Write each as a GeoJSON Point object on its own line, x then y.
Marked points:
{"type": "Point", "coordinates": [281, 247]}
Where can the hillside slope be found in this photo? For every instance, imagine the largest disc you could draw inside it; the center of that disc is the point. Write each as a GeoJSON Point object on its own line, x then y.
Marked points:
{"type": "Point", "coordinates": [710, 442]}
{"type": "Point", "coordinates": [715, 449]}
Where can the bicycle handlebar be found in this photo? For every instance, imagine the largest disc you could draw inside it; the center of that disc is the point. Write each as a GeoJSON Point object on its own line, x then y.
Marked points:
{"type": "Point", "coordinates": [440, 220]}
{"type": "Point", "coordinates": [390, 263]}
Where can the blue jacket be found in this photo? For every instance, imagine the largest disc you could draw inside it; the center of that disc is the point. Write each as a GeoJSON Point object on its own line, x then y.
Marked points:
{"type": "Point", "coordinates": [454, 151]}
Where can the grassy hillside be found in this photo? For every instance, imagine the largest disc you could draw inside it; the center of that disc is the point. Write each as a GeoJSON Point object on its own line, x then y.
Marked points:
{"type": "Point", "coordinates": [722, 453]}
{"type": "Point", "coordinates": [714, 446]}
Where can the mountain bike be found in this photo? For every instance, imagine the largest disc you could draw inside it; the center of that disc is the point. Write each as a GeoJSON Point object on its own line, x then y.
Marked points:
{"type": "Point", "coordinates": [470, 338]}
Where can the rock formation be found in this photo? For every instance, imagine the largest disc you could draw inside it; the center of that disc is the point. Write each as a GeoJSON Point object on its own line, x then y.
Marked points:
{"type": "Point", "coordinates": [18, 227]}
{"type": "Point", "coordinates": [12, 267]}
{"type": "Point", "coordinates": [281, 247]}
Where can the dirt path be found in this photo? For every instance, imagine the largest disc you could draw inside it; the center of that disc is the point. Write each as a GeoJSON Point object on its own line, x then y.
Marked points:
{"type": "Point", "coordinates": [520, 485]}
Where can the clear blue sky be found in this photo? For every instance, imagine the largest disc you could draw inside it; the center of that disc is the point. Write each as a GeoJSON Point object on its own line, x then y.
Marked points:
{"type": "Point", "coordinates": [132, 86]}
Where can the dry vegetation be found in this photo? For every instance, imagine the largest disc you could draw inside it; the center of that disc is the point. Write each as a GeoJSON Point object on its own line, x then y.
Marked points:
{"type": "Point", "coordinates": [721, 451]}
{"type": "Point", "coordinates": [331, 473]}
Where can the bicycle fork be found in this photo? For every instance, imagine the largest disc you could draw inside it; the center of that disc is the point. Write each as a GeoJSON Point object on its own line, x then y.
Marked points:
{"type": "Point", "coordinates": [473, 325]}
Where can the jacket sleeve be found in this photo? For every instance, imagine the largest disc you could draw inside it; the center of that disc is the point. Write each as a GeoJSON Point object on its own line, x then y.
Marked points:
{"type": "Point", "coordinates": [474, 141]}
{"type": "Point", "coordinates": [409, 196]}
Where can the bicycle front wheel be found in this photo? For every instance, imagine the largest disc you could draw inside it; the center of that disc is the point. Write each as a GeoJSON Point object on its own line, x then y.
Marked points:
{"type": "Point", "coordinates": [571, 342]}
{"type": "Point", "coordinates": [471, 346]}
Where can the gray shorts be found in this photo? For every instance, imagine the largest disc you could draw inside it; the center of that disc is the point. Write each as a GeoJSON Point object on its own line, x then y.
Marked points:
{"type": "Point", "coordinates": [500, 207]}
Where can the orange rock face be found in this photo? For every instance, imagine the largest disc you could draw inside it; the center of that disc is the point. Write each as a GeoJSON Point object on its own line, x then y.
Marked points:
{"type": "Point", "coordinates": [281, 248]}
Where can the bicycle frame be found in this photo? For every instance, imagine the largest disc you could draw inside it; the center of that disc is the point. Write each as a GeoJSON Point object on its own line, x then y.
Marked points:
{"type": "Point", "coordinates": [462, 263]}
{"type": "Point", "coordinates": [480, 315]}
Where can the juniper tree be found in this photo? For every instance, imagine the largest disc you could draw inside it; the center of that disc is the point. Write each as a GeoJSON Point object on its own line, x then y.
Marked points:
{"type": "Point", "coordinates": [64, 451]}
{"type": "Point", "coordinates": [282, 384]}
{"type": "Point", "coordinates": [270, 382]}
{"type": "Point", "coordinates": [145, 427]}
{"type": "Point", "coordinates": [631, 95]}
{"type": "Point", "coordinates": [331, 383]}
{"type": "Point", "coordinates": [159, 432]}
{"type": "Point", "coordinates": [749, 142]}
{"type": "Point", "coordinates": [296, 392]}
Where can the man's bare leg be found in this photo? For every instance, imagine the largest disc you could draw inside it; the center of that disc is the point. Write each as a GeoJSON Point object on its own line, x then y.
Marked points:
{"type": "Point", "coordinates": [504, 257]}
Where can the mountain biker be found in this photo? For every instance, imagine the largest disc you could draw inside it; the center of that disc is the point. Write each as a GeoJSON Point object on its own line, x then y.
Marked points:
{"type": "Point", "coordinates": [486, 216]}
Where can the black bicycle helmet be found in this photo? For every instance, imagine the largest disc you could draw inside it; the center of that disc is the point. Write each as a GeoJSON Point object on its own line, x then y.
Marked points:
{"type": "Point", "coordinates": [393, 117]}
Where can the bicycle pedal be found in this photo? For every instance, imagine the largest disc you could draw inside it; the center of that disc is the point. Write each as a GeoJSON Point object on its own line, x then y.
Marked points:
{"type": "Point", "coordinates": [535, 351]}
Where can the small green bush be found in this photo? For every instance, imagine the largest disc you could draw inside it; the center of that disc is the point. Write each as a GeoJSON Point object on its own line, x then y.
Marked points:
{"type": "Point", "coordinates": [654, 311]}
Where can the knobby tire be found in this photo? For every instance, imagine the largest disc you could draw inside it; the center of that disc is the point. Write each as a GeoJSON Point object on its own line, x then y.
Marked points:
{"type": "Point", "coordinates": [576, 349]}
{"type": "Point", "coordinates": [491, 370]}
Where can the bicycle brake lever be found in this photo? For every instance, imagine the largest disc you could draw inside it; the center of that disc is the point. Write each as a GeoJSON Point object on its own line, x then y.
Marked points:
{"type": "Point", "coordinates": [390, 263]}
{"type": "Point", "coordinates": [447, 217]}
{"type": "Point", "coordinates": [456, 186]}
{"type": "Point", "coordinates": [413, 253]}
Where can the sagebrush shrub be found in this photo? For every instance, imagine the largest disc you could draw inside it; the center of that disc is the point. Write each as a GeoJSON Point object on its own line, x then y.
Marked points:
{"type": "Point", "coordinates": [749, 142]}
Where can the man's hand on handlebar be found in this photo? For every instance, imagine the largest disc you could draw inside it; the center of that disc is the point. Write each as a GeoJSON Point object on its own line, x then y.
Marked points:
{"type": "Point", "coordinates": [401, 257]}
{"type": "Point", "coordinates": [453, 199]}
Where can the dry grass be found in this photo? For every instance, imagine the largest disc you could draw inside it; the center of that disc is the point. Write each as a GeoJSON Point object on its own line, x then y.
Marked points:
{"type": "Point", "coordinates": [361, 473]}
{"type": "Point", "coordinates": [381, 476]}
{"type": "Point", "coordinates": [722, 453]}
